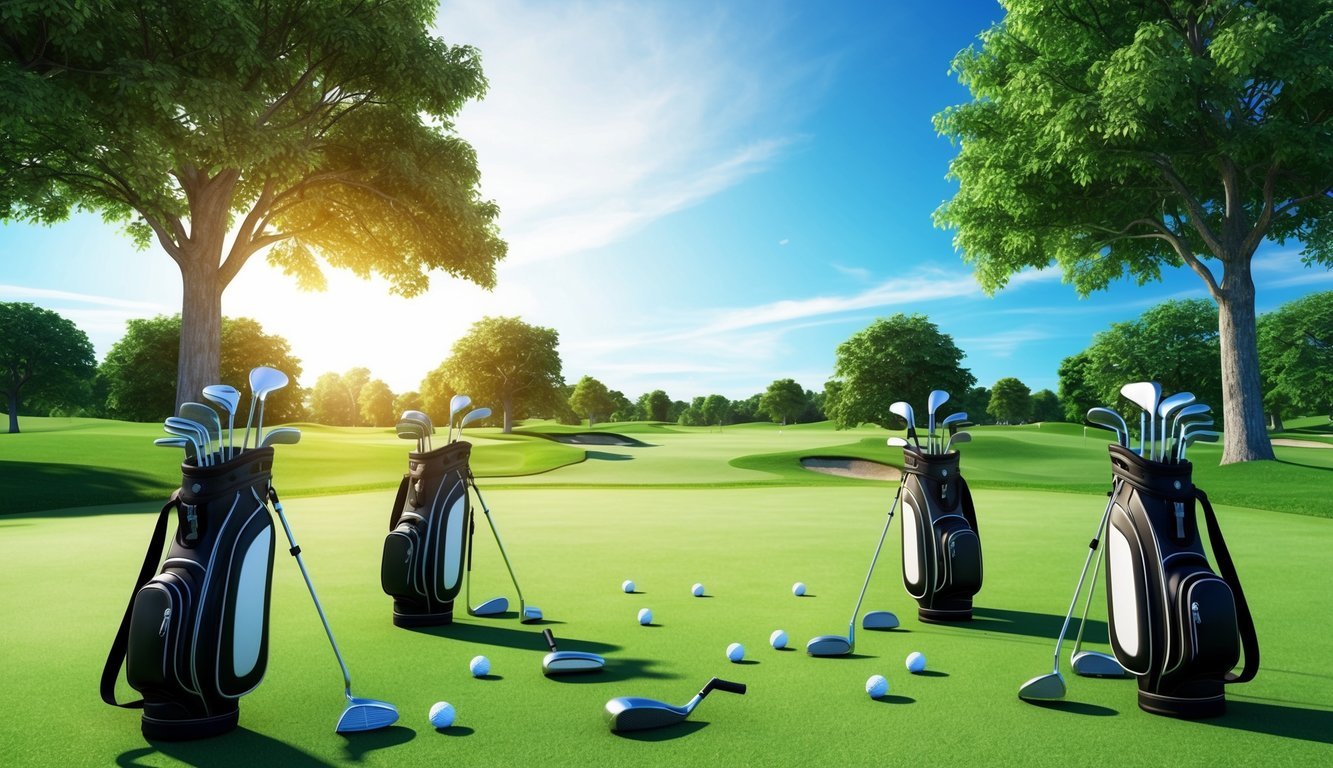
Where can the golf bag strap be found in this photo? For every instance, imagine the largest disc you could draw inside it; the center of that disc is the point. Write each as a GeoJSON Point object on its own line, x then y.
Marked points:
{"type": "Point", "coordinates": [969, 510]}
{"type": "Point", "coordinates": [116, 659]}
{"type": "Point", "coordinates": [1248, 639]}
{"type": "Point", "coordinates": [399, 502]}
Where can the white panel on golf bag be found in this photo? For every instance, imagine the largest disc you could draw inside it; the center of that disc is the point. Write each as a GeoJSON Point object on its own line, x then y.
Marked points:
{"type": "Point", "coordinates": [913, 556]}
{"type": "Point", "coordinates": [1125, 596]}
{"type": "Point", "coordinates": [454, 539]}
{"type": "Point", "coordinates": [251, 601]}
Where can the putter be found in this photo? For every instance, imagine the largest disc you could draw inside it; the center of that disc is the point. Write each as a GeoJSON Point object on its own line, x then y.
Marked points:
{"type": "Point", "coordinates": [1146, 395]}
{"type": "Point", "coordinates": [229, 398]}
{"type": "Point", "coordinates": [1165, 410]}
{"type": "Point", "coordinates": [837, 645]}
{"type": "Point", "coordinates": [281, 436]}
{"type": "Point", "coordinates": [493, 607]}
{"type": "Point", "coordinates": [568, 662]}
{"type": "Point", "coordinates": [904, 410]}
{"type": "Point", "coordinates": [1052, 685]}
{"type": "Point", "coordinates": [456, 404]}
{"type": "Point", "coordinates": [1109, 419]}
{"type": "Point", "coordinates": [206, 416]}
{"type": "Point", "coordinates": [936, 398]}
{"type": "Point", "coordinates": [528, 614]}
{"type": "Point", "coordinates": [1093, 663]}
{"type": "Point", "coordinates": [633, 713]}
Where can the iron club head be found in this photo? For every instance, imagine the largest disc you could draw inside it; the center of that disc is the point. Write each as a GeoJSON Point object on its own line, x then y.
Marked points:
{"type": "Point", "coordinates": [559, 662]}
{"type": "Point", "coordinates": [1048, 687]}
{"type": "Point", "coordinates": [1095, 664]}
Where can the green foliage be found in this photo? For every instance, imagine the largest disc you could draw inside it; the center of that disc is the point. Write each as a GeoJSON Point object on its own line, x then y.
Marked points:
{"type": "Point", "coordinates": [655, 406]}
{"type": "Point", "coordinates": [45, 361]}
{"type": "Point", "coordinates": [898, 358]}
{"type": "Point", "coordinates": [1076, 394]}
{"type": "Point", "coordinates": [332, 402]}
{"type": "Point", "coordinates": [716, 410]}
{"type": "Point", "coordinates": [139, 372]}
{"type": "Point", "coordinates": [507, 364]}
{"type": "Point", "coordinates": [375, 405]}
{"type": "Point", "coordinates": [1046, 407]}
{"type": "Point", "coordinates": [1010, 401]}
{"type": "Point", "coordinates": [784, 401]}
{"type": "Point", "coordinates": [621, 407]}
{"type": "Point", "coordinates": [1174, 343]}
{"type": "Point", "coordinates": [1296, 356]}
{"type": "Point", "coordinates": [591, 398]}
{"type": "Point", "coordinates": [408, 401]}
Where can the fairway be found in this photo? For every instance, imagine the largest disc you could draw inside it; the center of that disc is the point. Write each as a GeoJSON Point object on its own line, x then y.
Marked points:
{"type": "Point", "coordinates": [71, 571]}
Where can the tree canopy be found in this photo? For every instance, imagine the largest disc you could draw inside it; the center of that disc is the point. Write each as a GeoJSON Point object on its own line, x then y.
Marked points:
{"type": "Point", "coordinates": [784, 401]}
{"type": "Point", "coordinates": [655, 405]}
{"type": "Point", "coordinates": [43, 357]}
{"type": "Point", "coordinates": [508, 365]}
{"type": "Point", "coordinates": [319, 133]}
{"type": "Point", "coordinates": [897, 358]}
{"type": "Point", "coordinates": [1296, 353]}
{"type": "Point", "coordinates": [592, 399]}
{"type": "Point", "coordinates": [1117, 138]}
{"type": "Point", "coordinates": [1010, 401]}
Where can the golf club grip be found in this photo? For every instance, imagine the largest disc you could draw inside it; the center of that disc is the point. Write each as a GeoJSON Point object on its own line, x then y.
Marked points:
{"type": "Point", "coordinates": [550, 639]}
{"type": "Point", "coordinates": [719, 684]}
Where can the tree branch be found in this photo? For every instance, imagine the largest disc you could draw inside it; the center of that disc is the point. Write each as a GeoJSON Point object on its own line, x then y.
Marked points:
{"type": "Point", "coordinates": [1198, 217]}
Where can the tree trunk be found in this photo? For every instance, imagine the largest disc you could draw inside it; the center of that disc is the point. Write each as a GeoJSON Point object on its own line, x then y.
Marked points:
{"type": "Point", "coordinates": [13, 412]}
{"type": "Point", "coordinates": [507, 403]}
{"type": "Point", "coordinates": [1246, 438]}
{"type": "Point", "coordinates": [201, 326]}
{"type": "Point", "coordinates": [1275, 421]}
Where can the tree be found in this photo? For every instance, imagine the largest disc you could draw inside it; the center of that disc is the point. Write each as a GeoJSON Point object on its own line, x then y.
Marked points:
{"type": "Point", "coordinates": [716, 409]}
{"type": "Point", "coordinates": [655, 406]}
{"type": "Point", "coordinates": [375, 405]}
{"type": "Point", "coordinates": [747, 410]}
{"type": "Point", "coordinates": [1076, 394]}
{"type": "Point", "coordinates": [139, 372]}
{"type": "Point", "coordinates": [622, 409]}
{"type": "Point", "coordinates": [591, 399]}
{"type": "Point", "coordinates": [1296, 350]}
{"type": "Point", "coordinates": [436, 392]}
{"type": "Point", "coordinates": [505, 361]}
{"type": "Point", "coordinates": [974, 401]}
{"type": "Point", "coordinates": [1046, 406]}
{"type": "Point", "coordinates": [677, 408]}
{"type": "Point", "coordinates": [408, 401]}
{"type": "Point", "coordinates": [320, 133]}
{"type": "Point", "coordinates": [332, 402]}
{"type": "Point", "coordinates": [44, 354]}
{"type": "Point", "coordinates": [898, 358]}
{"type": "Point", "coordinates": [1010, 401]}
{"type": "Point", "coordinates": [783, 401]}
{"type": "Point", "coordinates": [814, 408]}
{"type": "Point", "coordinates": [1118, 137]}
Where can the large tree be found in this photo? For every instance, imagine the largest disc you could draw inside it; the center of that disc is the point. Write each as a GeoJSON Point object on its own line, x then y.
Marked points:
{"type": "Point", "coordinates": [1296, 352]}
{"type": "Point", "coordinates": [783, 401]}
{"type": "Point", "coordinates": [897, 358]}
{"type": "Point", "coordinates": [1010, 401]}
{"type": "Point", "coordinates": [591, 399]}
{"type": "Point", "coordinates": [1115, 137]}
{"type": "Point", "coordinates": [506, 364]}
{"type": "Point", "coordinates": [1076, 393]}
{"type": "Point", "coordinates": [43, 357]}
{"type": "Point", "coordinates": [655, 405]}
{"type": "Point", "coordinates": [139, 372]}
{"type": "Point", "coordinates": [320, 133]}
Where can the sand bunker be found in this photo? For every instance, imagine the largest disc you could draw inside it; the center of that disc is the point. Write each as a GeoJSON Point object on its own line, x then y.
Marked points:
{"type": "Point", "coordinates": [1300, 443]}
{"type": "Point", "coordinates": [844, 467]}
{"type": "Point", "coordinates": [589, 438]}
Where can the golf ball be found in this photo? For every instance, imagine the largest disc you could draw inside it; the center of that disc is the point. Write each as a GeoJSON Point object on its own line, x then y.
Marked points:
{"type": "Point", "coordinates": [442, 714]}
{"type": "Point", "coordinates": [916, 662]}
{"type": "Point", "coordinates": [877, 686]}
{"type": "Point", "coordinates": [627, 585]}
{"type": "Point", "coordinates": [798, 589]}
{"type": "Point", "coordinates": [735, 652]}
{"type": "Point", "coordinates": [697, 590]}
{"type": "Point", "coordinates": [778, 639]}
{"type": "Point", "coordinates": [645, 616]}
{"type": "Point", "coordinates": [480, 666]}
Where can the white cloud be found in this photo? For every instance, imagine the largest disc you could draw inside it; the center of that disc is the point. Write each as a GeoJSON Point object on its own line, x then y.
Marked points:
{"type": "Point", "coordinates": [1004, 343]}
{"type": "Point", "coordinates": [48, 295]}
{"type": "Point", "coordinates": [784, 241]}
{"type": "Point", "coordinates": [859, 273]}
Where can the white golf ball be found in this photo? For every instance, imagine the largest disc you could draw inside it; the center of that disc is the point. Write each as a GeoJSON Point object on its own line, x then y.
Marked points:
{"type": "Point", "coordinates": [697, 590]}
{"type": "Point", "coordinates": [627, 585]}
{"type": "Point", "coordinates": [798, 589]}
{"type": "Point", "coordinates": [735, 652]}
{"type": "Point", "coordinates": [442, 714]}
{"type": "Point", "coordinates": [480, 666]}
{"type": "Point", "coordinates": [645, 616]}
{"type": "Point", "coordinates": [778, 639]}
{"type": "Point", "coordinates": [916, 662]}
{"type": "Point", "coordinates": [877, 686]}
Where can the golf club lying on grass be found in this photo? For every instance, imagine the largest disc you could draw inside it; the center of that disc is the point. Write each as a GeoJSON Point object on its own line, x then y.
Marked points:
{"type": "Point", "coordinates": [837, 645]}
{"type": "Point", "coordinates": [559, 662]}
{"type": "Point", "coordinates": [360, 714]}
{"type": "Point", "coordinates": [528, 614]}
{"type": "Point", "coordinates": [633, 713]}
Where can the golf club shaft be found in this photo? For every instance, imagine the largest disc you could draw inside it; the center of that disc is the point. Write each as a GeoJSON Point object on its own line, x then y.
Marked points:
{"type": "Point", "coordinates": [1092, 548]}
{"type": "Point", "coordinates": [1092, 589]}
{"type": "Point", "coordinates": [500, 544]}
{"type": "Point", "coordinates": [851, 625]}
{"type": "Point", "coordinates": [296, 552]}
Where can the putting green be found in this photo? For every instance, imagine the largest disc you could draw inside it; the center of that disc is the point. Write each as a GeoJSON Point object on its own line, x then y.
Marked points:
{"type": "Point", "coordinates": [68, 577]}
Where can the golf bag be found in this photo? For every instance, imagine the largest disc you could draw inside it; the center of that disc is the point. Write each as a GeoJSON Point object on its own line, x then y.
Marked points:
{"type": "Point", "coordinates": [429, 528]}
{"type": "Point", "coordinates": [941, 546]}
{"type": "Point", "coordinates": [1174, 623]}
{"type": "Point", "coordinates": [194, 637]}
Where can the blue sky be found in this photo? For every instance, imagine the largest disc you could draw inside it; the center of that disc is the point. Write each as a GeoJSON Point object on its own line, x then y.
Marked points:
{"type": "Point", "coordinates": [699, 196]}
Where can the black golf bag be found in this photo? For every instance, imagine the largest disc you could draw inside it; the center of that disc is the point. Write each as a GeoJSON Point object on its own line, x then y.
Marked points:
{"type": "Point", "coordinates": [1174, 623]}
{"type": "Point", "coordinates": [941, 546]}
{"type": "Point", "coordinates": [194, 638]}
{"type": "Point", "coordinates": [429, 529]}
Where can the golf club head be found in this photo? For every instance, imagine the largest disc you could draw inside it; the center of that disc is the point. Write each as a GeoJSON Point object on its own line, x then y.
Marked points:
{"type": "Point", "coordinates": [281, 436]}
{"type": "Point", "coordinates": [531, 615]}
{"type": "Point", "coordinates": [953, 418]}
{"type": "Point", "coordinates": [1109, 419]}
{"type": "Point", "coordinates": [363, 715]}
{"type": "Point", "coordinates": [176, 442]}
{"type": "Point", "coordinates": [897, 442]}
{"type": "Point", "coordinates": [571, 663]}
{"type": "Point", "coordinates": [1095, 664]}
{"type": "Point", "coordinates": [456, 404]}
{"type": "Point", "coordinates": [420, 417]}
{"type": "Point", "coordinates": [225, 395]}
{"type": "Point", "coordinates": [493, 607]}
{"type": "Point", "coordinates": [956, 438]}
{"type": "Point", "coordinates": [1145, 394]}
{"type": "Point", "coordinates": [474, 415]}
{"type": "Point", "coordinates": [634, 713]}
{"type": "Point", "coordinates": [904, 410]}
{"type": "Point", "coordinates": [1048, 687]}
{"type": "Point", "coordinates": [829, 645]}
{"type": "Point", "coordinates": [879, 620]}
{"type": "Point", "coordinates": [264, 380]}
{"type": "Point", "coordinates": [1172, 403]}
{"type": "Point", "coordinates": [205, 416]}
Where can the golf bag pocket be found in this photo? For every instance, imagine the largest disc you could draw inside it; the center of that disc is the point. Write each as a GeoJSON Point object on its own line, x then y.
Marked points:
{"type": "Point", "coordinates": [424, 553]}
{"type": "Point", "coordinates": [942, 564]}
{"type": "Point", "coordinates": [194, 638]}
{"type": "Point", "coordinates": [1175, 623]}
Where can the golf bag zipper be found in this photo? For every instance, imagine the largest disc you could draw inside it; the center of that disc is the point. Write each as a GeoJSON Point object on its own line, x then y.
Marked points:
{"type": "Point", "coordinates": [1180, 521]}
{"type": "Point", "coordinates": [166, 623]}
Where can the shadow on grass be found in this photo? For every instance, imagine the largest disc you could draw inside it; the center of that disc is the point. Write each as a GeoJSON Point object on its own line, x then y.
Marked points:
{"type": "Point", "coordinates": [1303, 466]}
{"type": "Point", "coordinates": [605, 456]}
{"type": "Point", "coordinates": [666, 734]}
{"type": "Point", "coordinates": [1075, 708]}
{"type": "Point", "coordinates": [1276, 720]}
{"type": "Point", "coordinates": [618, 670]}
{"type": "Point", "coordinates": [235, 748]}
{"type": "Point", "coordinates": [358, 745]}
{"type": "Point", "coordinates": [522, 639]}
{"type": "Point", "coordinates": [895, 699]}
{"type": "Point", "coordinates": [41, 489]}
{"type": "Point", "coordinates": [1043, 625]}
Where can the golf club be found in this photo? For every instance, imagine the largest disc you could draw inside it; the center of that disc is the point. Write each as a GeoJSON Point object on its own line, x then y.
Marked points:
{"type": "Point", "coordinates": [905, 411]}
{"type": "Point", "coordinates": [1193, 420]}
{"type": "Point", "coordinates": [1165, 410]}
{"type": "Point", "coordinates": [528, 614]}
{"type": "Point", "coordinates": [472, 416]}
{"type": "Point", "coordinates": [176, 442]}
{"type": "Point", "coordinates": [456, 404]}
{"type": "Point", "coordinates": [281, 436]}
{"type": "Point", "coordinates": [1193, 425]}
{"type": "Point", "coordinates": [1189, 412]}
{"type": "Point", "coordinates": [269, 380]}
{"type": "Point", "coordinates": [229, 398]}
{"type": "Point", "coordinates": [1093, 663]}
{"type": "Point", "coordinates": [493, 607]}
{"type": "Point", "coordinates": [1052, 685]}
{"type": "Point", "coordinates": [1199, 436]}
{"type": "Point", "coordinates": [559, 662]}
{"type": "Point", "coordinates": [360, 714]}
{"type": "Point", "coordinates": [193, 430]}
{"type": "Point", "coordinates": [411, 430]}
{"type": "Point", "coordinates": [951, 420]}
{"type": "Point", "coordinates": [936, 398]}
{"type": "Point", "coordinates": [427, 428]}
{"type": "Point", "coordinates": [633, 713]}
{"type": "Point", "coordinates": [956, 439]}
{"type": "Point", "coordinates": [208, 418]}
{"type": "Point", "coordinates": [837, 645]}
{"type": "Point", "coordinates": [1109, 419]}
{"type": "Point", "coordinates": [897, 442]}
{"type": "Point", "coordinates": [1146, 395]}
